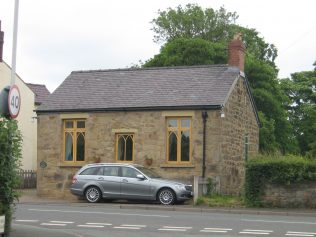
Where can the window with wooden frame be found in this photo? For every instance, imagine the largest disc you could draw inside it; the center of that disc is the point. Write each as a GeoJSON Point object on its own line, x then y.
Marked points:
{"type": "Point", "coordinates": [125, 147]}
{"type": "Point", "coordinates": [74, 140]}
{"type": "Point", "coordinates": [179, 140]}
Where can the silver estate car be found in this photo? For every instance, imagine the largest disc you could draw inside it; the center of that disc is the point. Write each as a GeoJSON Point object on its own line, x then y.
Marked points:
{"type": "Point", "coordinates": [127, 181]}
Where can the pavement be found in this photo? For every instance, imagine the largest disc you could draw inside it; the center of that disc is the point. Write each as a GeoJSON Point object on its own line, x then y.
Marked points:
{"type": "Point", "coordinates": [29, 196]}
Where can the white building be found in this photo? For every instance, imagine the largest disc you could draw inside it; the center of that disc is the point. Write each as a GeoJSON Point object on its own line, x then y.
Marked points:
{"type": "Point", "coordinates": [27, 117]}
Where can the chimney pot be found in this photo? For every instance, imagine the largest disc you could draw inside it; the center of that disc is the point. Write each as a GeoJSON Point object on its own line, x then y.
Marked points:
{"type": "Point", "coordinates": [236, 52]}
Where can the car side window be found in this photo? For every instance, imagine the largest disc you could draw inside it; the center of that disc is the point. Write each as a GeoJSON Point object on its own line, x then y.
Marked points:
{"type": "Point", "coordinates": [129, 172]}
{"type": "Point", "coordinates": [110, 170]}
{"type": "Point", "coordinates": [93, 171]}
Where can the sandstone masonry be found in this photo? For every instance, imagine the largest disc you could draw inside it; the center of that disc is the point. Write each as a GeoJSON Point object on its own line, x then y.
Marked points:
{"type": "Point", "coordinates": [225, 143]}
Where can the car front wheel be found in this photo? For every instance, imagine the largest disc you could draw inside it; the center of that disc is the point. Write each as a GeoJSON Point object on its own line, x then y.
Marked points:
{"type": "Point", "coordinates": [93, 194]}
{"type": "Point", "coordinates": [166, 196]}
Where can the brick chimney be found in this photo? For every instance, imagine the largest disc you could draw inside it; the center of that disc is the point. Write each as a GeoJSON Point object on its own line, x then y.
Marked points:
{"type": "Point", "coordinates": [1, 43]}
{"type": "Point", "coordinates": [236, 53]}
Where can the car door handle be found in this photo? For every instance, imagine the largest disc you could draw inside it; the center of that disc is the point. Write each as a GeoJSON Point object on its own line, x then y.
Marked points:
{"type": "Point", "coordinates": [125, 180]}
{"type": "Point", "coordinates": [101, 178]}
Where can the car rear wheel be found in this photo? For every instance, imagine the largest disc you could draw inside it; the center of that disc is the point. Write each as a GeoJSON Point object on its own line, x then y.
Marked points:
{"type": "Point", "coordinates": [93, 194]}
{"type": "Point", "coordinates": [166, 196]}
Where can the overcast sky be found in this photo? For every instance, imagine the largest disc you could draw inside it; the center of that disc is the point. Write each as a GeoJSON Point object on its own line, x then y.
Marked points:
{"type": "Point", "coordinates": [56, 37]}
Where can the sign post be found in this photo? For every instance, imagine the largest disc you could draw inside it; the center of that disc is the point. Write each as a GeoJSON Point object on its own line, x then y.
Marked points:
{"type": "Point", "coordinates": [14, 101]}
{"type": "Point", "coordinates": [2, 223]}
{"type": "Point", "coordinates": [14, 43]}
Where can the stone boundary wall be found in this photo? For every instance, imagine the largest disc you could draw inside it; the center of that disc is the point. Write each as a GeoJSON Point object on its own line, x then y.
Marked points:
{"type": "Point", "coordinates": [299, 195]}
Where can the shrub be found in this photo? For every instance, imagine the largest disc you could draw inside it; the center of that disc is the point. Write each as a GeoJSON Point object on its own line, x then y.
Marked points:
{"type": "Point", "coordinates": [10, 156]}
{"type": "Point", "coordinates": [275, 169]}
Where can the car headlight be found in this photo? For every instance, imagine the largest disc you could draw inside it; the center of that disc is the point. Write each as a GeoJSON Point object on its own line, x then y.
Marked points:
{"type": "Point", "coordinates": [180, 187]}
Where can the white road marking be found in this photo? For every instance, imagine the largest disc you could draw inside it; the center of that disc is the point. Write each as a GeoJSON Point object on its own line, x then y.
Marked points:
{"type": "Point", "coordinates": [285, 222]}
{"type": "Point", "coordinates": [296, 233]}
{"type": "Point", "coordinates": [89, 223]}
{"type": "Point", "coordinates": [215, 230]}
{"type": "Point", "coordinates": [176, 227]}
{"type": "Point", "coordinates": [172, 229]}
{"type": "Point", "coordinates": [299, 232]}
{"type": "Point", "coordinates": [53, 224]}
{"type": "Point", "coordinates": [259, 230]}
{"type": "Point", "coordinates": [27, 220]}
{"type": "Point", "coordinates": [102, 213]}
{"type": "Point", "coordinates": [299, 235]}
{"type": "Point", "coordinates": [91, 226]}
{"type": "Point", "coordinates": [140, 226]}
{"type": "Point", "coordinates": [63, 222]}
{"type": "Point", "coordinates": [129, 227]}
{"type": "Point", "coordinates": [254, 233]}
{"type": "Point", "coordinates": [126, 227]}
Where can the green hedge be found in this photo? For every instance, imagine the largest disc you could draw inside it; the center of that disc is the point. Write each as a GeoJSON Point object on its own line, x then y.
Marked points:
{"type": "Point", "coordinates": [275, 169]}
{"type": "Point", "coordinates": [10, 159]}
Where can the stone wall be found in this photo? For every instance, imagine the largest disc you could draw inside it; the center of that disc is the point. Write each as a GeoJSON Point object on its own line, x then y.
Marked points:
{"type": "Point", "coordinates": [149, 130]}
{"type": "Point", "coordinates": [224, 143]}
{"type": "Point", "coordinates": [300, 195]}
{"type": "Point", "coordinates": [239, 121]}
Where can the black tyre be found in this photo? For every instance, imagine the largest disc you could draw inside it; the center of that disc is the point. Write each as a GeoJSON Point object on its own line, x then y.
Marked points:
{"type": "Point", "coordinates": [93, 194]}
{"type": "Point", "coordinates": [166, 196]}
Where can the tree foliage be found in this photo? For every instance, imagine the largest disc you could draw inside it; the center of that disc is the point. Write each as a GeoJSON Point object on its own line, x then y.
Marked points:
{"type": "Point", "coordinates": [301, 91]}
{"type": "Point", "coordinates": [10, 155]}
{"type": "Point", "coordinates": [183, 51]}
{"type": "Point", "coordinates": [271, 101]}
{"type": "Point", "coordinates": [193, 22]}
{"type": "Point", "coordinates": [267, 130]}
{"type": "Point", "coordinates": [196, 36]}
{"type": "Point", "coordinates": [212, 25]}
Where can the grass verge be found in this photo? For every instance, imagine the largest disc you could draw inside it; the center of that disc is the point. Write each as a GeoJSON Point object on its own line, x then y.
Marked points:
{"type": "Point", "coordinates": [216, 200]}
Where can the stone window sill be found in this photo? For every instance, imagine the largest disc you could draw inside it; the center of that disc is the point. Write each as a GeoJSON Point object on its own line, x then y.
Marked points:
{"type": "Point", "coordinates": [177, 166]}
{"type": "Point", "coordinates": [63, 165]}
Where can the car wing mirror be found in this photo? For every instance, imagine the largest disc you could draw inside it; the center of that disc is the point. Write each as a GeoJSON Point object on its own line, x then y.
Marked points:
{"type": "Point", "coordinates": [140, 176]}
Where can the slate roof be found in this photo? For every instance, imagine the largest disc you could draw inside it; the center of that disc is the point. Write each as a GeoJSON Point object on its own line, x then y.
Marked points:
{"type": "Point", "coordinates": [143, 89]}
{"type": "Point", "coordinates": [40, 91]}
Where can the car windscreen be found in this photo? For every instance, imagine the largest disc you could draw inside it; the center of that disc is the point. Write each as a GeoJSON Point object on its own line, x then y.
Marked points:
{"type": "Point", "coordinates": [148, 172]}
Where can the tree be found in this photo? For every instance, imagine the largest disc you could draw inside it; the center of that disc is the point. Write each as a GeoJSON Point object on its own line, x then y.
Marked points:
{"type": "Point", "coordinates": [193, 22]}
{"type": "Point", "coordinates": [271, 101]}
{"type": "Point", "coordinates": [183, 51]}
{"type": "Point", "coordinates": [212, 25]}
{"type": "Point", "coordinates": [301, 91]}
{"type": "Point", "coordinates": [267, 130]}
{"type": "Point", "coordinates": [195, 36]}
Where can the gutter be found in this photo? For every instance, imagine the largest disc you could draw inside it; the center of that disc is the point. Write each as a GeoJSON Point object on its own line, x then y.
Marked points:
{"type": "Point", "coordinates": [252, 101]}
{"type": "Point", "coordinates": [130, 109]}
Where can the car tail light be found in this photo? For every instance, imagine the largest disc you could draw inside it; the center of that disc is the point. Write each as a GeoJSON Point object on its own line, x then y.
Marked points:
{"type": "Point", "coordinates": [74, 180]}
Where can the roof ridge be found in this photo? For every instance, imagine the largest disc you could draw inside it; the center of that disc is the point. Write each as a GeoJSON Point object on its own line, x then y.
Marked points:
{"type": "Point", "coordinates": [150, 68]}
{"type": "Point", "coordinates": [35, 84]}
